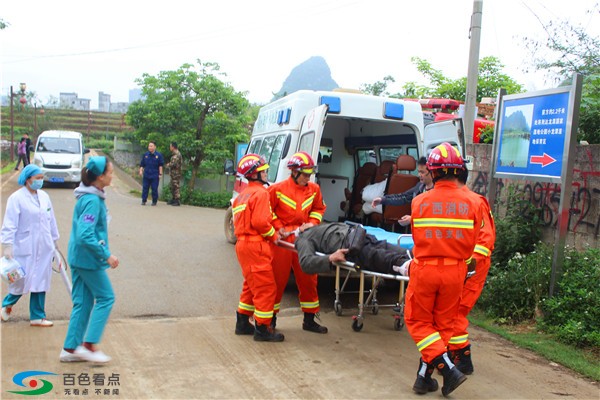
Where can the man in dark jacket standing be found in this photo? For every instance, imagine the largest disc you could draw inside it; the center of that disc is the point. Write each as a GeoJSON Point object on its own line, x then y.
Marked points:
{"type": "Point", "coordinates": [151, 169]}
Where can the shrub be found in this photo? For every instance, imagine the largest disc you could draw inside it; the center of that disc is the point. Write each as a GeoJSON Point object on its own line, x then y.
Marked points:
{"type": "Point", "coordinates": [573, 313]}
{"type": "Point", "coordinates": [514, 291]}
{"type": "Point", "coordinates": [199, 198]}
{"type": "Point", "coordinates": [518, 231]}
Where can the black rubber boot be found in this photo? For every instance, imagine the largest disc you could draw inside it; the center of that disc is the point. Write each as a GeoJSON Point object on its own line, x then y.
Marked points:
{"type": "Point", "coordinates": [175, 203]}
{"type": "Point", "coordinates": [243, 325]}
{"type": "Point", "coordinates": [463, 360]}
{"type": "Point", "coordinates": [264, 333]}
{"type": "Point", "coordinates": [274, 321]}
{"type": "Point", "coordinates": [170, 202]}
{"type": "Point", "coordinates": [425, 383]}
{"type": "Point", "coordinates": [310, 325]}
{"type": "Point", "coordinates": [453, 378]}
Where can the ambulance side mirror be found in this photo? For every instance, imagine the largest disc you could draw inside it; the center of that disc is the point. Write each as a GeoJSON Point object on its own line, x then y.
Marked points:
{"type": "Point", "coordinates": [229, 167]}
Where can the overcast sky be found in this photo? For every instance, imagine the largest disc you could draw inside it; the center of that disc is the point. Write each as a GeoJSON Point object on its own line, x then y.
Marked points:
{"type": "Point", "coordinates": [88, 47]}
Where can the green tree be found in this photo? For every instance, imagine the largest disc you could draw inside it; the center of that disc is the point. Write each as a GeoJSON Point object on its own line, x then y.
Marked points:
{"type": "Point", "coordinates": [568, 49]}
{"type": "Point", "coordinates": [379, 88]}
{"type": "Point", "coordinates": [490, 80]}
{"type": "Point", "coordinates": [193, 106]}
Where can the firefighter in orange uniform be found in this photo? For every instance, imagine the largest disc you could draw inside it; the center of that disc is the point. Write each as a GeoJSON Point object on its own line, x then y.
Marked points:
{"type": "Point", "coordinates": [252, 218]}
{"type": "Point", "coordinates": [445, 225]}
{"type": "Point", "coordinates": [297, 205]}
{"type": "Point", "coordinates": [459, 344]}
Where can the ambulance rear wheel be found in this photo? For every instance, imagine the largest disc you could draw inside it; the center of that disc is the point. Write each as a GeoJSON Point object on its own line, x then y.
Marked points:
{"type": "Point", "coordinates": [229, 234]}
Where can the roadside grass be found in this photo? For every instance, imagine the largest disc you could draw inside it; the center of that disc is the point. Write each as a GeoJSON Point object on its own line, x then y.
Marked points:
{"type": "Point", "coordinates": [8, 167]}
{"type": "Point", "coordinates": [584, 362]}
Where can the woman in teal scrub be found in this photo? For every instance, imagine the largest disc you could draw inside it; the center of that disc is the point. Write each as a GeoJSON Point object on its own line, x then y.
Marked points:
{"type": "Point", "coordinates": [90, 257]}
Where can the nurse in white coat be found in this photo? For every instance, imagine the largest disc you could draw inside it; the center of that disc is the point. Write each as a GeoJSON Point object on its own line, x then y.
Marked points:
{"type": "Point", "coordinates": [29, 233]}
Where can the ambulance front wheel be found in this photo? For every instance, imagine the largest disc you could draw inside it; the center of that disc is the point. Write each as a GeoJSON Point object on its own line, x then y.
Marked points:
{"type": "Point", "coordinates": [229, 234]}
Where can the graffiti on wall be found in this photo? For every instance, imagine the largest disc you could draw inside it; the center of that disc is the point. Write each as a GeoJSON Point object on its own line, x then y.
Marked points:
{"type": "Point", "coordinates": [584, 214]}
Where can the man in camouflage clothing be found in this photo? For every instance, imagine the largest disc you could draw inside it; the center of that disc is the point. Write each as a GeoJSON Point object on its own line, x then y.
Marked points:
{"type": "Point", "coordinates": [175, 173]}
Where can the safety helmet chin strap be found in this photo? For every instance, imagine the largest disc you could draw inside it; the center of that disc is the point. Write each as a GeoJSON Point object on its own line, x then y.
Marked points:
{"type": "Point", "coordinates": [295, 177]}
{"type": "Point", "coordinates": [441, 175]}
{"type": "Point", "coordinates": [258, 179]}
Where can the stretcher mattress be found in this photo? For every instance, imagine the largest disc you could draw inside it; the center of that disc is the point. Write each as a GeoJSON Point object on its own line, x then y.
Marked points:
{"type": "Point", "coordinates": [404, 241]}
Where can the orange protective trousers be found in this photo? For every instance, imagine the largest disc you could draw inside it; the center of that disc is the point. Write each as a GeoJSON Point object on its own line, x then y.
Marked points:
{"type": "Point", "coordinates": [433, 287]}
{"type": "Point", "coordinates": [259, 289]}
{"type": "Point", "coordinates": [284, 261]}
{"type": "Point", "coordinates": [471, 292]}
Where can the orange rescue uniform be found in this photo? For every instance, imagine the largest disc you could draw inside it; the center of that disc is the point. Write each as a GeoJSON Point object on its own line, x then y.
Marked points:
{"type": "Point", "coordinates": [474, 285]}
{"type": "Point", "coordinates": [252, 218]}
{"type": "Point", "coordinates": [445, 224]}
{"type": "Point", "coordinates": [294, 205]}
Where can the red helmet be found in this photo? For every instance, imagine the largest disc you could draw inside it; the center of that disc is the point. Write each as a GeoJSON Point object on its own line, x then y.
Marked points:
{"type": "Point", "coordinates": [445, 156]}
{"type": "Point", "coordinates": [302, 162]}
{"type": "Point", "coordinates": [250, 164]}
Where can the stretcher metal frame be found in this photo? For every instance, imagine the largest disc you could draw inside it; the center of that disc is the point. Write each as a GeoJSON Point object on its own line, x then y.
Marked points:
{"type": "Point", "coordinates": [371, 302]}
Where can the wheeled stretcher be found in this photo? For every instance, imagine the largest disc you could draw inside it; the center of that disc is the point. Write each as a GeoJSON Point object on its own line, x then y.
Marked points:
{"type": "Point", "coordinates": [346, 270]}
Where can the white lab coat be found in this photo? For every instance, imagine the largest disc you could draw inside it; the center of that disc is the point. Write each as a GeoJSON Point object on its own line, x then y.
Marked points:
{"type": "Point", "coordinates": [31, 230]}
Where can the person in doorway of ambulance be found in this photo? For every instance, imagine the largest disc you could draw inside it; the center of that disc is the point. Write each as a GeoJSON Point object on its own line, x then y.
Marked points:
{"type": "Point", "coordinates": [400, 199]}
{"type": "Point", "coordinates": [297, 204]}
{"type": "Point", "coordinates": [29, 234]}
{"type": "Point", "coordinates": [445, 224]}
{"type": "Point", "coordinates": [252, 220]}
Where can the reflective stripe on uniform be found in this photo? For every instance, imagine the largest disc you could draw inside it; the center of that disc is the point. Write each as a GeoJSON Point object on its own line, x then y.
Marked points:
{"type": "Point", "coordinates": [270, 233]}
{"type": "Point", "coordinates": [443, 223]}
{"type": "Point", "coordinates": [239, 208]}
{"type": "Point", "coordinates": [244, 306]}
{"type": "Point", "coordinates": [308, 202]}
{"type": "Point", "coordinates": [316, 215]}
{"type": "Point", "coordinates": [286, 200]}
{"type": "Point", "coordinates": [428, 341]}
{"type": "Point", "coordinates": [459, 339]}
{"type": "Point", "coordinates": [311, 304]}
{"type": "Point", "coordinates": [484, 251]}
{"type": "Point", "coordinates": [263, 314]}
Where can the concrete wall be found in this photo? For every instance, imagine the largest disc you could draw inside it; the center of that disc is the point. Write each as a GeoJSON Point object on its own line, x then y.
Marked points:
{"type": "Point", "coordinates": [584, 215]}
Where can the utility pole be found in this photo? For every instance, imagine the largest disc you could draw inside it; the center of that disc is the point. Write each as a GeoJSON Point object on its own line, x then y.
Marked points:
{"type": "Point", "coordinates": [473, 71]}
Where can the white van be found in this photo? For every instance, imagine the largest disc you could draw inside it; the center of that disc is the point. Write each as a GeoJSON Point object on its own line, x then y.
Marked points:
{"type": "Point", "coordinates": [60, 155]}
{"type": "Point", "coordinates": [342, 130]}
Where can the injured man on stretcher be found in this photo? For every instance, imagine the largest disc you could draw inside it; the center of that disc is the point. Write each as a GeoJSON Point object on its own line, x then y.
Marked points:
{"type": "Point", "coordinates": [341, 242]}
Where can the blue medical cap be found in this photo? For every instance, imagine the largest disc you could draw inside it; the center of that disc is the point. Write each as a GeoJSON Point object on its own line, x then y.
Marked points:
{"type": "Point", "coordinates": [96, 165]}
{"type": "Point", "coordinates": [28, 172]}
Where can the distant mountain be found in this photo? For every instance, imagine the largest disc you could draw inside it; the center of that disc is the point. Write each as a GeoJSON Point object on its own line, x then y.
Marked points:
{"type": "Point", "coordinates": [516, 122]}
{"type": "Point", "coordinates": [312, 74]}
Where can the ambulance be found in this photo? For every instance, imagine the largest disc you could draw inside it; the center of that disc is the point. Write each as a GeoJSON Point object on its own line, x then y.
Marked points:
{"type": "Point", "coordinates": [341, 130]}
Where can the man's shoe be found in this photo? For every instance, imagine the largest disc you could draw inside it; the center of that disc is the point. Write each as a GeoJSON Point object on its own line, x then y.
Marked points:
{"type": "Point", "coordinates": [243, 325]}
{"type": "Point", "coordinates": [65, 356]}
{"type": "Point", "coordinates": [143, 203]}
{"type": "Point", "coordinates": [175, 203]}
{"type": "Point", "coordinates": [43, 323]}
{"type": "Point", "coordinates": [153, 203]}
{"type": "Point", "coordinates": [425, 383]}
{"type": "Point", "coordinates": [170, 202]}
{"type": "Point", "coordinates": [463, 360]}
{"type": "Point", "coordinates": [91, 356]}
{"type": "Point", "coordinates": [310, 325]}
{"type": "Point", "coordinates": [453, 378]}
{"type": "Point", "coordinates": [264, 333]}
{"type": "Point", "coordinates": [6, 313]}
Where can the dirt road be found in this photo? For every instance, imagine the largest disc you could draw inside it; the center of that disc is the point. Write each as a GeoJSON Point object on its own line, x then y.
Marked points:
{"type": "Point", "coordinates": [171, 331]}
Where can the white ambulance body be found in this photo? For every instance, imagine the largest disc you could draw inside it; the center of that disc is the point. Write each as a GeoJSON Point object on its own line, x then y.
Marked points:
{"type": "Point", "coordinates": [341, 130]}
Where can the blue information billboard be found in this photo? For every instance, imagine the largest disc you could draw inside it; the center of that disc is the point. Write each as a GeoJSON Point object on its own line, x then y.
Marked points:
{"type": "Point", "coordinates": [532, 135]}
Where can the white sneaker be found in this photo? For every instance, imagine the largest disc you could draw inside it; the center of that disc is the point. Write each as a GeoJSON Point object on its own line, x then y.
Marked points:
{"type": "Point", "coordinates": [65, 356]}
{"type": "Point", "coordinates": [44, 323]}
{"type": "Point", "coordinates": [5, 314]}
{"type": "Point", "coordinates": [91, 356]}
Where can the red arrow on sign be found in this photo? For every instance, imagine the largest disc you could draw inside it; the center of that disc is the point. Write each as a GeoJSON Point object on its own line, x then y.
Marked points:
{"type": "Point", "coordinates": [545, 160]}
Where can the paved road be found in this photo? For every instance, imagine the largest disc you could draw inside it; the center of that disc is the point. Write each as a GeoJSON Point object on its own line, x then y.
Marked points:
{"type": "Point", "coordinates": [171, 335]}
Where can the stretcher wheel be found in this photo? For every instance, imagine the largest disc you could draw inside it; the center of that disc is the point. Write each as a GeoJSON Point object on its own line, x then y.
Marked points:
{"type": "Point", "coordinates": [356, 325]}
{"type": "Point", "coordinates": [375, 309]}
{"type": "Point", "coordinates": [337, 306]}
{"type": "Point", "coordinates": [398, 322]}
